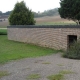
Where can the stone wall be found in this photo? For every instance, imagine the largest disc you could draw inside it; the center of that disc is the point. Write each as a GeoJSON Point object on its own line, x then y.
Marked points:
{"type": "Point", "coordinates": [48, 36]}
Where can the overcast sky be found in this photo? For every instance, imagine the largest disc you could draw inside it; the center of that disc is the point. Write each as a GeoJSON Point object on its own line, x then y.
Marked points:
{"type": "Point", "coordinates": [34, 5]}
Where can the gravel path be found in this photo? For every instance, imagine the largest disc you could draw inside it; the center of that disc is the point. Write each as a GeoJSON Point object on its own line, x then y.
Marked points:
{"type": "Point", "coordinates": [44, 66]}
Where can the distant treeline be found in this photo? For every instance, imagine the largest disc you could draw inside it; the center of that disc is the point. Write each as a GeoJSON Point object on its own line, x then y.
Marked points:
{"type": "Point", "coordinates": [6, 13]}
{"type": "Point", "coordinates": [51, 12]}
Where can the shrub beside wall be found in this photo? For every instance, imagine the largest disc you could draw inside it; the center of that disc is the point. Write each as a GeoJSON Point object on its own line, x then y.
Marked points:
{"type": "Point", "coordinates": [74, 51]}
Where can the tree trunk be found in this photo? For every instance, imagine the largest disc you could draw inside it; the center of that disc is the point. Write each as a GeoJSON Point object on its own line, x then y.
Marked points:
{"type": "Point", "coordinates": [78, 22]}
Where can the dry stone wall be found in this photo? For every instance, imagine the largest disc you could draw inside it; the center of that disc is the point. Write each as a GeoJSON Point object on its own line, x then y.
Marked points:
{"type": "Point", "coordinates": [48, 36]}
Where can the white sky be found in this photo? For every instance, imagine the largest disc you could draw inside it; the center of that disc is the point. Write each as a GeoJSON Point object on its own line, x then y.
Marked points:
{"type": "Point", "coordinates": [34, 5]}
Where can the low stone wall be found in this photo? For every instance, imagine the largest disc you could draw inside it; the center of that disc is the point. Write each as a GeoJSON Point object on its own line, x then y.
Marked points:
{"type": "Point", "coordinates": [48, 36]}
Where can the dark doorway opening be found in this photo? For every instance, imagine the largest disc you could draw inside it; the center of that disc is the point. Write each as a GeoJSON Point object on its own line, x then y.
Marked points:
{"type": "Point", "coordinates": [71, 39]}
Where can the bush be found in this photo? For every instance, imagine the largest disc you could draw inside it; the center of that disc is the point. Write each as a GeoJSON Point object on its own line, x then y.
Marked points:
{"type": "Point", "coordinates": [74, 51]}
{"type": "Point", "coordinates": [21, 15]}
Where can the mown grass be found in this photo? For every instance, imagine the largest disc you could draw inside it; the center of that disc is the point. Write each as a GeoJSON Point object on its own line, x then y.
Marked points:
{"type": "Point", "coordinates": [12, 50]}
{"type": "Point", "coordinates": [3, 31]}
{"type": "Point", "coordinates": [3, 26]}
{"type": "Point", "coordinates": [55, 23]}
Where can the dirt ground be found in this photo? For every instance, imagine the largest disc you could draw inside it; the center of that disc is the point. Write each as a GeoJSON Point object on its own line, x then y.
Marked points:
{"type": "Point", "coordinates": [44, 66]}
{"type": "Point", "coordinates": [4, 23]}
{"type": "Point", "coordinates": [54, 19]}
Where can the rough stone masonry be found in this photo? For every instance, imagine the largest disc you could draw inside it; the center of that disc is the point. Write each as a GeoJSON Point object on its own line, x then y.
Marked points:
{"type": "Point", "coordinates": [52, 36]}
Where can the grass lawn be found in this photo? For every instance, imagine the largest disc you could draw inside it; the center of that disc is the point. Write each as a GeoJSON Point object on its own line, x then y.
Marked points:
{"type": "Point", "coordinates": [3, 31]}
{"type": "Point", "coordinates": [55, 23]}
{"type": "Point", "coordinates": [12, 50]}
{"type": "Point", "coordinates": [3, 26]}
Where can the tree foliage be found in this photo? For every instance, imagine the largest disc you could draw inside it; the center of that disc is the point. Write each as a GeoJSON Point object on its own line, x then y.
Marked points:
{"type": "Point", "coordinates": [0, 12]}
{"type": "Point", "coordinates": [7, 13]}
{"type": "Point", "coordinates": [70, 9]}
{"type": "Point", "coordinates": [21, 15]}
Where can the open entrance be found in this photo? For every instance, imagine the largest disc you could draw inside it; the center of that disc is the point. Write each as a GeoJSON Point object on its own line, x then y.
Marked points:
{"type": "Point", "coordinates": [71, 39]}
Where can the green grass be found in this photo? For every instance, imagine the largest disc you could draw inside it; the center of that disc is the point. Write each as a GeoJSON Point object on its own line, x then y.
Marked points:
{"type": "Point", "coordinates": [55, 23]}
{"type": "Point", "coordinates": [12, 50]}
{"type": "Point", "coordinates": [3, 26]}
{"type": "Point", "coordinates": [3, 73]}
{"type": "Point", "coordinates": [56, 77]}
{"type": "Point", "coordinates": [33, 76]}
{"type": "Point", "coordinates": [66, 72]}
{"type": "Point", "coordinates": [60, 75]}
{"type": "Point", "coordinates": [60, 64]}
{"type": "Point", "coordinates": [46, 63]}
{"type": "Point", "coordinates": [3, 31]}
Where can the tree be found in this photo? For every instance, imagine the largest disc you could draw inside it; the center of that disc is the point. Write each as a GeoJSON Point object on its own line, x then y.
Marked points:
{"type": "Point", "coordinates": [70, 9]}
{"type": "Point", "coordinates": [7, 13]}
{"type": "Point", "coordinates": [21, 15]}
{"type": "Point", "coordinates": [1, 13]}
